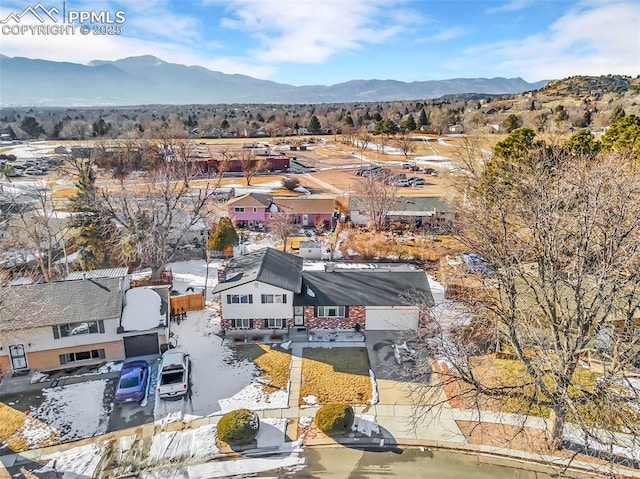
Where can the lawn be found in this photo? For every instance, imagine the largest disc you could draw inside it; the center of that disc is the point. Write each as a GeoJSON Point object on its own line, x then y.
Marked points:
{"type": "Point", "coordinates": [335, 375]}
{"type": "Point", "coordinates": [21, 432]}
{"type": "Point", "coordinates": [274, 364]}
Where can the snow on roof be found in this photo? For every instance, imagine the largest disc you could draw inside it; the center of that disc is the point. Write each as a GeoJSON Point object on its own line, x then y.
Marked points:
{"type": "Point", "coordinates": [142, 310]}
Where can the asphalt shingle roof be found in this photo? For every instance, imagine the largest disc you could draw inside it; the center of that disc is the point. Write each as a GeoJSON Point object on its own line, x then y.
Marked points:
{"type": "Point", "coordinates": [373, 287]}
{"type": "Point", "coordinates": [268, 265]}
{"type": "Point", "coordinates": [44, 304]}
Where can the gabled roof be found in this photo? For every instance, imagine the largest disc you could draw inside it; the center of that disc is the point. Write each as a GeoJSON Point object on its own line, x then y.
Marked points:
{"type": "Point", "coordinates": [269, 266]}
{"type": "Point", "coordinates": [250, 199]}
{"type": "Point", "coordinates": [44, 304]}
{"type": "Point", "coordinates": [370, 287]}
{"type": "Point", "coordinates": [306, 205]}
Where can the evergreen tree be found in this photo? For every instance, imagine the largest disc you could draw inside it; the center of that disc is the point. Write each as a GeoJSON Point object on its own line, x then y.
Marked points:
{"type": "Point", "coordinates": [423, 119]}
{"type": "Point", "coordinates": [408, 123]}
{"type": "Point", "coordinates": [57, 129]}
{"type": "Point", "coordinates": [512, 122]}
{"type": "Point", "coordinates": [314, 125]}
{"type": "Point", "coordinates": [223, 235]}
{"type": "Point", "coordinates": [31, 127]}
{"type": "Point", "coordinates": [582, 143]}
{"type": "Point", "coordinates": [348, 121]}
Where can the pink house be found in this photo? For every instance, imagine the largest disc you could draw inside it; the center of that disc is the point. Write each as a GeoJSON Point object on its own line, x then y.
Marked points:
{"type": "Point", "coordinates": [253, 210]}
{"type": "Point", "coordinates": [249, 211]}
{"type": "Point", "coordinates": [308, 211]}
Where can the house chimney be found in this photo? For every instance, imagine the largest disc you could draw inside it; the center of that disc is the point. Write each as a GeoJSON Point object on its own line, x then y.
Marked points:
{"type": "Point", "coordinates": [222, 274]}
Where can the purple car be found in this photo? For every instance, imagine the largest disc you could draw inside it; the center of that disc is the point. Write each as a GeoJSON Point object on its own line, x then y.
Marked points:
{"type": "Point", "coordinates": [132, 384]}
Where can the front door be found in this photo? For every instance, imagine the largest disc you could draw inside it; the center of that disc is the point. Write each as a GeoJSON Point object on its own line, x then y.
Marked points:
{"type": "Point", "coordinates": [305, 220]}
{"type": "Point", "coordinates": [298, 316]}
{"type": "Point", "coordinates": [18, 356]}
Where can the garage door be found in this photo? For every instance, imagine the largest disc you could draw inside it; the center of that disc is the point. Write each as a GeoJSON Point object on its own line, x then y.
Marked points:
{"type": "Point", "coordinates": [398, 318]}
{"type": "Point", "coordinates": [142, 345]}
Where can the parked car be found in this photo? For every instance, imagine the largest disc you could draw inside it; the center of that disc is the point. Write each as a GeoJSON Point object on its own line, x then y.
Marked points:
{"type": "Point", "coordinates": [174, 374]}
{"type": "Point", "coordinates": [406, 166]}
{"type": "Point", "coordinates": [414, 180]}
{"type": "Point", "coordinates": [414, 168]}
{"type": "Point", "coordinates": [401, 183]}
{"type": "Point", "coordinates": [430, 171]}
{"type": "Point", "coordinates": [133, 381]}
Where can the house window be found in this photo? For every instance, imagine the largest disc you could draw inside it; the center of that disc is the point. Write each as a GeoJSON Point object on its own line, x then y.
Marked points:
{"type": "Point", "coordinates": [274, 298]}
{"type": "Point", "coordinates": [255, 210]}
{"type": "Point", "coordinates": [75, 329]}
{"type": "Point", "coordinates": [238, 209]}
{"type": "Point", "coordinates": [82, 356]}
{"type": "Point", "coordinates": [239, 299]}
{"type": "Point", "coordinates": [243, 323]}
{"type": "Point", "coordinates": [274, 323]}
{"type": "Point", "coordinates": [331, 312]}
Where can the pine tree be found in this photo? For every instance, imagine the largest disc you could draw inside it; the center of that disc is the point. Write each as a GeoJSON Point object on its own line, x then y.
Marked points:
{"type": "Point", "coordinates": [223, 235]}
{"type": "Point", "coordinates": [423, 119]}
{"type": "Point", "coordinates": [314, 125]}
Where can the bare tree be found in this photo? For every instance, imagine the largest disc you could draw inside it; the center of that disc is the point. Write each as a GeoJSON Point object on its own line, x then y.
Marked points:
{"type": "Point", "coordinates": [363, 141]}
{"type": "Point", "coordinates": [376, 197]}
{"type": "Point", "coordinates": [39, 230]}
{"type": "Point", "coordinates": [558, 294]}
{"type": "Point", "coordinates": [405, 143]}
{"type": "Point", "coordinates": [280, 225]}
{"type": "Point", "coordinates": [250, 164]}
{"type": "Point", "coordinates": [154, 216]}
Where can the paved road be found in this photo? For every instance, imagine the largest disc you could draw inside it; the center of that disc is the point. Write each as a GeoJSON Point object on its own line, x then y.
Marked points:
{"type": "Point", "coordinates": [338, 463]}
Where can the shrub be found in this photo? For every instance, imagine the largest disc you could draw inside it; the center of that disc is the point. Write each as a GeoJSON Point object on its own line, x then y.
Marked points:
{"type": "Point", "coordinates": [290, 182]}
{"type": "Point", "coordinates": [335, 418]}
{"type": "Point", "coordinates": [238, 427]}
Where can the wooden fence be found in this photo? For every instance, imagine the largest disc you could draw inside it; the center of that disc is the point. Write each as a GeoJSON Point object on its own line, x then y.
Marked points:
{"type": "Point", "coordinates": [187, 302]}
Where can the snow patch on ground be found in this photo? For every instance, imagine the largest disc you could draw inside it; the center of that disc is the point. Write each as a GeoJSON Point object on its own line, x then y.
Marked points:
{"type": "Point", "coordinates": [254, 398]}
{"type": "Point", "coordinates": [365, 424]}
{"type": "Point", "coordinates": [374, 389]}
{"type": "Point", "coordinates": [76, 463]}
{"type": "Point", "coordinates": [305, 421]}
{"type": "Point", "coordinates": [175, 446]}
{"type": "Point", "coordinates": [64, 409]}
{"type": "Point", "coordinates": [272, 432]}
{"type": "Point", "coordinates": [310, 399]}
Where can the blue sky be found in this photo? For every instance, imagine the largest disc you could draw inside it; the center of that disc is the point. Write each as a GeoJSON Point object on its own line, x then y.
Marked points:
{"type": "Point", "coordinates": [304, 42]}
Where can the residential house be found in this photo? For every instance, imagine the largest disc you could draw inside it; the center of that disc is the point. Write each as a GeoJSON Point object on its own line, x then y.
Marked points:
{"type": "Point", "coordinates": [429, 212]}
{"type": "Point", "coordinates": [253, 210]}
{"type": "Point", "coordinates": [250, 210]}
{"type": "Point", "coordinates": [89, 318]}
{"type": "Point", "coordinates": [308, 211]}
{"type": "Point", "coordinates": [268, 291]}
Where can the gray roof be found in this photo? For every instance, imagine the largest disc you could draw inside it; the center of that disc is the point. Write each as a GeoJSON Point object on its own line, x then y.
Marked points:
{"type": "Point", "coordinates": [268, 265]}
{"type": "Point", "coordinates": [409, 206]}
{"type": "Point", "coordinates": [98, 273]}
{"type": "Point", "coordinates": [43, 304]}
{"type": "Point", "coordinates": [371, 287]}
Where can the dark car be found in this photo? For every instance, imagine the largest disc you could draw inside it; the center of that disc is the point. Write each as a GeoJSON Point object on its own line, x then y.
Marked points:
{"type": "Point", "coordinates": [430, 171]}
{"type": "Point", "coordinates": [132, 384]}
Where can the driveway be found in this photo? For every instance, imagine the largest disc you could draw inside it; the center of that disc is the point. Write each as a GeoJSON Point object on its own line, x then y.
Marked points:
{"type": "Point", "coordinates": [389, 357]}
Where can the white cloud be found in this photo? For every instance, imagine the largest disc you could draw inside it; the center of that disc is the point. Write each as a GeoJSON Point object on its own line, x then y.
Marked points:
{"type": "Point", "coordinates": [592, 39]}
{"type": "Point", "coordinates": [305, 32]}
{"type": "Point", "coordinates": [512, 6]}
{"type": "Point", "coordinates": [443, 35]}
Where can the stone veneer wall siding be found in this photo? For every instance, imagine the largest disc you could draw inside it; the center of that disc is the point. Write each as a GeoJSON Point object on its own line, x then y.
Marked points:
{"type": "Point", "coordinates": [356, 315]}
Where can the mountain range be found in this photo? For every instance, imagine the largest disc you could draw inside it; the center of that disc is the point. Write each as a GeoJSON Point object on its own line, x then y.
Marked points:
{"type": "Point", "coordinates": [150, 80]}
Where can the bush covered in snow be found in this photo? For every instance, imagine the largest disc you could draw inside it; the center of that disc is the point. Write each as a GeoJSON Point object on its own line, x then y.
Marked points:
{"type": "Point", "coordinates": [335, 418]}
{"type": "Point", "coordinates": [238, 427]}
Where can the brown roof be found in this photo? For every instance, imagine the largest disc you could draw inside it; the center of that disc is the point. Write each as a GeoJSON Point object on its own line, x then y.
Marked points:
{"type": "Point", "coordinates": [250, 199]}
{"type": "Point", "coordinates": [306, 205]}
